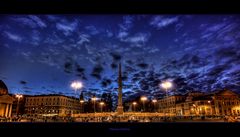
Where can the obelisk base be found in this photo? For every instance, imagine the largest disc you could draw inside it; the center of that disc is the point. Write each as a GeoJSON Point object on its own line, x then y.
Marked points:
{"type": "Point", "coordinates": [120, 110]}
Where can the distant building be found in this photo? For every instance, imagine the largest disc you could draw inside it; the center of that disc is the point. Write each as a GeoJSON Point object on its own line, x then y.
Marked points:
{"type": "Point", "coordinates": [221, 103]}
{"type": "Point", "coordinates": [168, 105]}
{"type": "Point", "coordinates": [6, 101]}
{"type": "Point", "coordinates": [50, 105]}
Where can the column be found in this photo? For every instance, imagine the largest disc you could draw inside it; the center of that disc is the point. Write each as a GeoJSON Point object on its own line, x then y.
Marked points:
{"type": "Point", "coordinates": [6, 113]}
{"type": "Point", "coordinates": [8, 106]}
{"type": "Point", "coordinates": [6, 110]}
{"type": "Point", "coordinates": [10, 110]}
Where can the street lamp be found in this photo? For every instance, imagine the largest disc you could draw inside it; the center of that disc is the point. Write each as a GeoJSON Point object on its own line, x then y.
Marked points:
{"type": "Point", "coordinates": [143, 99]}
{"type": "Point", "coordinates": [166, 85]}
{"type": "Point", "coordinates": [82, 105]}
{"type": "Point", "coordinates": [76, 85]}
{"type": "Point", "coordinates": [94, 100]}
{"type": "Point", "coordinates": [154, 102]}
{"type": "Point", "coordinates": [18, 96]}
{"type": "Point", "coordinates": [134, 104]}
{"type": "Point", "coordinates": [210, 106]}
{"type": "Point", "coordinates": [101, 105]}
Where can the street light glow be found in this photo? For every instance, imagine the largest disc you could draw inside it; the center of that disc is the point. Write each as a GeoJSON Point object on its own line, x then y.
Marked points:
{"type": "Point", "coordinates": [101, 103]}
{"type": "Point", "coordinates": [94, 98]}
{"type": "Point", "coordinates": [143, 98]}
{"type": "Point", "coordinates": [154, 100]}
{"type": "Point", "coordinates": [19, 96]}
{"type": "Point", "coordinates": [166, 84]}
{"type": "Point", "coordinates": [134, 103]}
{"type": "Point", "coordinates": [81, 101]}
{"type": "Point", "coordinates": [76, 85]}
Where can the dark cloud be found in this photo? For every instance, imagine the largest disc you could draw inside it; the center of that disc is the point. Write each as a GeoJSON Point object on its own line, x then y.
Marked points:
{"type": "Point", "coordinates": [142, 65]}
{"type": "Point", "coordinates": [129, 69]}
{"type": "Point", "coordinates": [23, 82]}
{"type": "Point", "coordinates": [68, 67]}
{"type": "Point", "coordinates": [106, 82]}
{"type": "Point", "coordinates": [129, 62]}
{"type": "Point", "coordinates": [27, 88]}
{"type": "Point", "coordinates": [116, 56]}
{"type": "Point", "coordinates": [113, 66]}
{"type": "Point", "coordinates": [217, 70]}
{"type": "Point", "coordinates": [97, 70]}
{"type": "Point", "coordinates": [79, 69]}
{"type": "Point", "coordinates": [80, 72]}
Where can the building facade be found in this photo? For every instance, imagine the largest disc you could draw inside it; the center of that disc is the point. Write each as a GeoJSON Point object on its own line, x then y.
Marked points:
{"type": "Point", "coordinates": [168, 105]}
{"type": "Point", "coordinates": [6, 101]}
{"type": "Point", "coordinates": [221, 103]}
{"type": "Point", "coordinates": [50, 105]}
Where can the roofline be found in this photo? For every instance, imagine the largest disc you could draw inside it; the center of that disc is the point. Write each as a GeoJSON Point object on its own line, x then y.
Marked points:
{"type": "Point", "coordinates": [50, 95]}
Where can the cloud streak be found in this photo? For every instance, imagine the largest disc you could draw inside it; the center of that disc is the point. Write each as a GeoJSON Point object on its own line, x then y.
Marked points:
{"type": "Point", "coordinates": [13, 37]}
{"type": "Point", "coordinates": [162, 22]}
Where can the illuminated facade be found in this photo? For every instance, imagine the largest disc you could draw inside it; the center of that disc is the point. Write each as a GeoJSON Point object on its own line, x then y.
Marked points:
{"type": "Point", "coordinates": [52, 105]}
{"type": "Point", "coordinates": [226, 103]}
{"type": "Point", "coordinates": [6, 101]}
{"type": "Point", "coordinates": [168, 105]}
{"type": "Point", "coordinates": [221, 103]}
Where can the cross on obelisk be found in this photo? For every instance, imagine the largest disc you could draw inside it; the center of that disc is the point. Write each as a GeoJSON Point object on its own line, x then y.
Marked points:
{"type": "Point", "coordinates": [120, 106]}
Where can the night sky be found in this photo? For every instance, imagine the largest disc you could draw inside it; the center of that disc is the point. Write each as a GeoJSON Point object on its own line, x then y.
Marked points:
{"type": "Point", "coordinates": [43, 54]}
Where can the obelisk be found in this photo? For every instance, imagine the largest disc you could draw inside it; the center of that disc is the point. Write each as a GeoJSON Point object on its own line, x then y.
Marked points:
{"type": "Point", "coordinates": [120, 106]}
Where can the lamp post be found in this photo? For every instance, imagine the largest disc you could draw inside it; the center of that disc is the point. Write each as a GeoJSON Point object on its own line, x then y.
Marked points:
{"type": "Point", "coordinates": [167, 85]}
{"type": "Point", "coordinates": [76, 85]}
{"type": "Point", "coordinates": [143, 99]}
{"type": "Point", "coordinates": [18, 96]}
{"type": "Point", "coordinates": [82, 105]}
{"type": "Point", "coordinates": [134, 105]}
{"type": "Point", "coordinates": [94, 100]}
{"type": "Point", "coordinates": [101, 105]}
{"type": "Point", "coordinates": [154, 102]}
{"type": "Point", "coordinates": [210, 106]}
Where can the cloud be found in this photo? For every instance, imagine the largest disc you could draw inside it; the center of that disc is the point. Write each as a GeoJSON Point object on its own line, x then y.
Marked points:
{"type": "Point", "coordinates": [127, 23]}
{"type": "Point", "coordinates": [67, 27]}
{"type": "Point", "coordinates": [161, 22]}
{"type": "Point", "coordinates": [92, 30]}
{"type": "Point", "coordinates": [125, 27]}
{"type": "Point", "coordinates": [115, 56]}
{"type": "Point", "coordinates": [53, 39]}
{"type": "Point", "coordinates": [83, 38]}
{"type": "Point", "coordinates": [13, 37]}
{"type": "Point", "coordinates": [38, 21]}
{"type": "Point", "coordinates": [23, 82]}
{"type": "Point", "coordinates": [35, 38]}
{"type": "Point", "coordinates": [122, 34]}
{"type": "Point", "coordinates": [142, 65]}
{"type": "Point", "coordinates": [52, 18]}
{"type": "Point", "coordinates": [30, 21]}
{"type": "Point", "coordinates": [97, 70]}
{"type": "Point", "coordinates": [138, 40]}
{"type": "Point", "coordinates": [109, 33]}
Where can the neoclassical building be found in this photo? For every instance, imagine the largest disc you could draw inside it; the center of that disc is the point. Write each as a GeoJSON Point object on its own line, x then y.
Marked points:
{"type": "Point", "coordinates": [6, 101]}
{"type": "Point", "coordinates": [220, 103]}
{"type": "Point", "coordinates": [50, 105]}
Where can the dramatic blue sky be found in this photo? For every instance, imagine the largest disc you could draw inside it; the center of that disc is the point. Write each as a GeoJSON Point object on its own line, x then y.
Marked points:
{"type": "Point", "coordinates": [41, 54]}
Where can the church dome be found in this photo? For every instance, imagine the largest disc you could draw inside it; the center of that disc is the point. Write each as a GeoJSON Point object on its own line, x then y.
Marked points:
{"type": "Point", "coordinates": [3, 88]}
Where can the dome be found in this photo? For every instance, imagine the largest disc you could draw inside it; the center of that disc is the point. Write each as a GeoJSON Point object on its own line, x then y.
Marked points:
{"type": "Point", "coordinates": [3, 88]}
